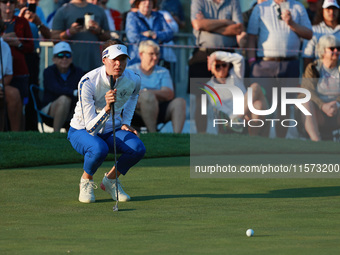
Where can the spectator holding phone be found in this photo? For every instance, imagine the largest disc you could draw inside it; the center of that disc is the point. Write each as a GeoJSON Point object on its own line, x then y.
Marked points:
{"type": "Point", "coordinates": [30, 10]}
{"type": "Point", "coordinates": [17, 91]}
{"type": "Point", "coordinates": [68, 24]}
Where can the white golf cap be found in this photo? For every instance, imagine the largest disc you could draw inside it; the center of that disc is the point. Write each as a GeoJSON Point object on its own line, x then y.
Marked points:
{"type": "Point", "coordinates": [329, 3]}
{"type": "Point", "coordinates": [114, 51]}
{"type": "Point", "coordinates": [61, 47]}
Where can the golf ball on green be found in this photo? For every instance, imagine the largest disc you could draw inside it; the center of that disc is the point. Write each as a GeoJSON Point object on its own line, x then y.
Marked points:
{"type": "Point", "coordinates": [249, 232]}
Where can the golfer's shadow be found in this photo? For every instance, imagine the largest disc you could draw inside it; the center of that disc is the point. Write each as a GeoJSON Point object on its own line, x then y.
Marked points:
{"type": "Point", "coordinates": [281, 193]}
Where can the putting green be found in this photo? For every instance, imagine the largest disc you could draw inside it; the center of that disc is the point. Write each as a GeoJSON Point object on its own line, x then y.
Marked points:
{"type": "Point", "coordinates": [170, 213]}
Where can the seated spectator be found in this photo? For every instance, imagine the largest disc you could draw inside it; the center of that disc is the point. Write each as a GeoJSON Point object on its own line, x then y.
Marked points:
{"type": "Point", "coordinates": [228, 70]}
{"type": "Point", "coordinates": [7, 72]}
{"type": "Point", "coordinates": [326, 22]}
{"type": "Point", "coordinates": [321, 78]}
{"type": "Point", "coordinates": [68, 24]}
{"type": "Point", "coordinates": [157, 102]}
{"type": "Point", "coordinates": [175, 8]}
{"type": "Point", "coordinates": [146, 25]}
{"type": "Point", "coordinates": [16, 93]}
{"type": "Point", "coordinates": [60, 86]}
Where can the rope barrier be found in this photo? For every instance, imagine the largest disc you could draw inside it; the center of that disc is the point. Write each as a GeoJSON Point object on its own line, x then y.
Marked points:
{"type": "Point", "coordinates": [178, 46]}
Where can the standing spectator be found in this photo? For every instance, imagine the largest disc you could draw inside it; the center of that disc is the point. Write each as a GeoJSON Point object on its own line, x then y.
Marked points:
{"type": "Point", "coordinates": [112, 15]}
{"type": "Point", "coordinates": [246, 15]}
{"type": "Point", "coordinates": [311, 9]}
{"type": "Point", "coordinates": [124, 15]}
{"type": "Point", "coordinates": [17, 93]}
{"type": "Point", "coordinates": [157, 102]}
{"type": "Point", "coordinates": [146, 24]}
{"type": "Point", "coordinates": [7, 71]}
{"type": "Point", "coordinates": [169, 55]}
{"type": "Point", "coordinates": [326, 22]}
{"type": "Point", "coordinates": [38, 25]}
{"type": "Point", "coordinates": [175, 8]}
{"type": "Point", "coordinates": [321, 78]}
{"type": "Point", "coordinates": [60, 86]}
{"type": "Point", "coordinates": [216, 24]}
{"type": "Point", "coordinates": [277, 35]}
{"type": "Point", "coordinates": [68, 24]}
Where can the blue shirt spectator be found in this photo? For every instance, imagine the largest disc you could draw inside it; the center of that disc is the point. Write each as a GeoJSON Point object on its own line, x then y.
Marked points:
{"type": "Point", "coordinates": [146, 24]}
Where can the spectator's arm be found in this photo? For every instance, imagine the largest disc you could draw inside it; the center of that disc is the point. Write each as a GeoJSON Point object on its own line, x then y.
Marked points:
{"type": "Point", "coordinates": [309, 82]}
{"type": "Point", "coordinates": [210, 25]}
{"type": "Point", "coordinates": [58, 34]}
{"type": "Point", "coordinates": [166, 34]}
{"type": "Point", "coordinates": [301, 30]}
{"type": "Point", "coordinates": [230, 30]}
{"type": "Point", "coordinates": [34, 18]}
{"type": "Point", "coordinates": [68, 33]}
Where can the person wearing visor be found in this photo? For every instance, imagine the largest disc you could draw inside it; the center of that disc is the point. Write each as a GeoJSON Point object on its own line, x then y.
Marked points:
{"type": "Point", "coordinates": [60, 86]}
{"type": "Point", "coordinates": [91, 131]}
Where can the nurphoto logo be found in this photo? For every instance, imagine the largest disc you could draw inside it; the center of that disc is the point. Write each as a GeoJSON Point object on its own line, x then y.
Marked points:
{"type": "Point", "coordinates": [238, 98]}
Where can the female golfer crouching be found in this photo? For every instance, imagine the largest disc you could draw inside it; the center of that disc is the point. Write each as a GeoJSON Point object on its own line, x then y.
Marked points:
{"type": "Point", "coordinates": [91, 132]}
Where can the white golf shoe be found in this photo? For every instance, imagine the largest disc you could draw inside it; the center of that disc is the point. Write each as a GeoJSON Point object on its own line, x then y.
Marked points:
{"type": "Point", "coordinates": [109, 185]}
{"type": "Point", "coordinates": [86, 194]}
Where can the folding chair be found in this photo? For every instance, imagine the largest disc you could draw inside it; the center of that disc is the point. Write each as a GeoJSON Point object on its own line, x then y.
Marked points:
{"type": "Point", "coordinates": [37, 95]}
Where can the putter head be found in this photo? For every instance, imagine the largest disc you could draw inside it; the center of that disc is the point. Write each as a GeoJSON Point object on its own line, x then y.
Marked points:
{"type": "Point", "coordinates": [115, 208]}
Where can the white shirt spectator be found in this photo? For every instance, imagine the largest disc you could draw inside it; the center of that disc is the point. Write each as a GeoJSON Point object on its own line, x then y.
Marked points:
{"type": "Point", "coordinates": [7, 60]}
{"type": "Point", "coordinates": [318, 31]}
{"type": "Point", "coordinates": [275, 38]}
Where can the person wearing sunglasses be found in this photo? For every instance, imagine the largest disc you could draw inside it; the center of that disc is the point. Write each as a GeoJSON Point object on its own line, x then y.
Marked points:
{"type": "Point", "coordinates": [322, 78]}
{"type": "Point", "coordinates": [326, 22]}
{"type": "Point", "coordinates": [60, 86]}
{"type": "Point", "coordinates": [228, 71]}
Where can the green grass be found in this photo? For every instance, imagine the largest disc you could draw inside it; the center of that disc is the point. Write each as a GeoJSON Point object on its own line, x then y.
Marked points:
{"type": "Point", "coordinates": [26, 149]}
{"type": "Point", "coordinates": [170, 213]}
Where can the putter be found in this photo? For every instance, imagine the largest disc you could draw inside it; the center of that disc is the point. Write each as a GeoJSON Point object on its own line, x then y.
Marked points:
{"type": "Point", "coordinates": [115, 208]}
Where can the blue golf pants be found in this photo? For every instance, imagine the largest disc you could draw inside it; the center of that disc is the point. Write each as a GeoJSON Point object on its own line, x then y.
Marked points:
{"type": "Point", "coordinates": [96, 148]}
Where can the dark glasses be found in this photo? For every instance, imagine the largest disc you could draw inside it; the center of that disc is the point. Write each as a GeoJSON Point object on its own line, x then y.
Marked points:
{"type": "Point", "coordinates": [63, 55]}
{"type": "Point", "coordinates": [218, 66]}
{"type": "Point", "coordinates": [334, 48]}
{"type": "Point", "coordinates": [6, 1]}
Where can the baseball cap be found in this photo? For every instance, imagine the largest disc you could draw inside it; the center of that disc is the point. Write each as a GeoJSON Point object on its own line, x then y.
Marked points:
{"type": "Point", "coordinates": [114, 51]}
{"type": "Point", "coordinates": [329, 3]}
{"type": "Point", "coordinates": [61, 47]}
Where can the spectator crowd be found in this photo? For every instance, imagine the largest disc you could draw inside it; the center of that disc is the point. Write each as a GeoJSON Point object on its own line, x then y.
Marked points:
{"type": "Point", "coordinates": [272, 45]}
